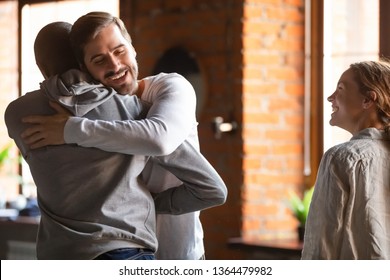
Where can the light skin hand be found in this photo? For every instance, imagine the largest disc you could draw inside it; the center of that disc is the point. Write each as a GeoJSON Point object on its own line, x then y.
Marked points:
{"type": "Point", "coordinates": [46, 130]}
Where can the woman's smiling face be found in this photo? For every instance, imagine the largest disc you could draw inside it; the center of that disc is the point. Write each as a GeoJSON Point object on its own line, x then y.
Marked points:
{"type": "Point", "coordinates": [347, 103]}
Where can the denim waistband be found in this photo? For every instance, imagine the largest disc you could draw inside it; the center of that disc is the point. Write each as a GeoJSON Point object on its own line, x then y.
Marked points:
{"type": "Point", "coordinates": [127, 254]}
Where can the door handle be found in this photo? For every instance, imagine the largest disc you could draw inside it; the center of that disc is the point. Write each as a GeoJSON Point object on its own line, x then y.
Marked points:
{"type": "Point", "coordinates": [219, 126]}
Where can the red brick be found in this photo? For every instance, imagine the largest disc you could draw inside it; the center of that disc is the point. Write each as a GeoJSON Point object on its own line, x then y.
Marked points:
{"type": "Point", "coordinates": [296, 89]}
{"type": "Point", "coordinates": [251, 12]}
{"type": "Point", "coordinates": [260, 88]}
{"type": "Point", "coordinates": [262, 59]}
{"type": "Point", "coordinates": [256, 149]}
{"type": "Point", "coordinates": [260, 28]}
{"type": "Point", "coordinates": [285, 104]}
{"type": "Point", "coordinates": [251, 163]}
{"type": "Point", "coordinates": [261, 118]}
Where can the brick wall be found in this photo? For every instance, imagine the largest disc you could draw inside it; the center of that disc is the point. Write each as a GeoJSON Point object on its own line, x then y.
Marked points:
{"type": "Point", "coordinates": [273, 59]}
{"type": "Point", "coordinates": [251, 54]}
{"type": "Point", "coordinates": [8, 58]}
{"type": "Point", "coordinates": [8, 89]}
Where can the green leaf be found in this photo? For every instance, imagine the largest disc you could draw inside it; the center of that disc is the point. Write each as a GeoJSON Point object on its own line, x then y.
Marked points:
{"type": "Point", "coordinates": [4, 154]}
{"type": "Point", "coordinates": [300, 207]}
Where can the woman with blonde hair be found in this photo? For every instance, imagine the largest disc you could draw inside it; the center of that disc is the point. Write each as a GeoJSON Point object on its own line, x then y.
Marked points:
{"type": "Point", "coordinates": [349, 216]}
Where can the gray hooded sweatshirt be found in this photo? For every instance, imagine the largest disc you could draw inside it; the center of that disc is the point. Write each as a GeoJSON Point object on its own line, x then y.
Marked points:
{"type": "Point", "coordinates": [94, 201]}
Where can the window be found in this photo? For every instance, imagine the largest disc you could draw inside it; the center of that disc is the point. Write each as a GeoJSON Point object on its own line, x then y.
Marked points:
{"type": "Point", "coordinates": [338, 32]}
{"type": "Point", "coordinates": [351, 34]}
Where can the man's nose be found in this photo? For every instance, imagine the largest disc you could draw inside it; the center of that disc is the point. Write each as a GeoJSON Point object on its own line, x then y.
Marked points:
{"type": "Point", "coordinates": [113, 63]}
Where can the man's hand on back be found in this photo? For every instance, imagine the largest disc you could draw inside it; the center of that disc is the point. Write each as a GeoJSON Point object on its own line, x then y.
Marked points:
{"type": "Point", "coordinates": [46, 130]}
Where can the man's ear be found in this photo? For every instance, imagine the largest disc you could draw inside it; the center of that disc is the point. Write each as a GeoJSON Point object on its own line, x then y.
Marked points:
{"type": "Point", "coordinates": [370, 99]}
{"type": "Point", "coordinates": [134, 51]}
{"type": "Point", "coordinates": [44, 71]}
{"type": "Point", "coordinates": [82, 67]}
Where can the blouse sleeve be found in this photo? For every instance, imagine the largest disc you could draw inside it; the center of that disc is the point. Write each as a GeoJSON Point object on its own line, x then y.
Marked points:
{"type": "Point", "coordinates": [325, 223]}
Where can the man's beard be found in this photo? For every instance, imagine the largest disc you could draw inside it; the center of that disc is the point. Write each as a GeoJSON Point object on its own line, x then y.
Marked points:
{"type": "Point", "coordinates": [127, 88]}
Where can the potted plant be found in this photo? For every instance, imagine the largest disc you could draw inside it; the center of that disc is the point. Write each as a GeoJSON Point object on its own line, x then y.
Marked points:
{"type": "Point", "coordinates": [300, 208]}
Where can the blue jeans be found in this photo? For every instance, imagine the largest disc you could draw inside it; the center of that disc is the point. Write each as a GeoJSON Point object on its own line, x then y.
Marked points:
{"type": "Point", "coordinates": [127, 254]}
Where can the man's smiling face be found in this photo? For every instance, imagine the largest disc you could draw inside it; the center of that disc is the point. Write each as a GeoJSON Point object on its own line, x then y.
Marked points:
{"type": "Point", "coordinates": [111, 60]}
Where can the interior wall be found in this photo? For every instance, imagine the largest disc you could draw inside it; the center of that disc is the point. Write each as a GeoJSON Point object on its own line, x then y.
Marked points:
{"type": "Point", "coordinates": [251, 54]}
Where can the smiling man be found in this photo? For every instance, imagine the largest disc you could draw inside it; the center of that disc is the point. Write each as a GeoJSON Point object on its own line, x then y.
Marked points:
{"type": "Point", "coordinates": [109, 57]}
{"type": "Point", "coordinates": [103, 48]}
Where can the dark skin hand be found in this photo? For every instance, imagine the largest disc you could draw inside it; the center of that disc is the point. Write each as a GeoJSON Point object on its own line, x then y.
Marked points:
{"type": "Point", "coordinates": [46, 130]}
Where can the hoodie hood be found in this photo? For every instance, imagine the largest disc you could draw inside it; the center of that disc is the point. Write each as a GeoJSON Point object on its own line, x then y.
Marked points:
{"type": "Point", "coordinates": [76, 91]}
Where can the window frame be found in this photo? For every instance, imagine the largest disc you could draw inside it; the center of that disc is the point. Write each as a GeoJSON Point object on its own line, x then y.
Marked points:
{"type": "Point", "coordinates": [315, 88]}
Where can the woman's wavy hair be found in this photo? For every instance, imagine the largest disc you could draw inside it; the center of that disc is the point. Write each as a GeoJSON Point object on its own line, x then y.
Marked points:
{"type": "Point", "coordinates": [375, 76]}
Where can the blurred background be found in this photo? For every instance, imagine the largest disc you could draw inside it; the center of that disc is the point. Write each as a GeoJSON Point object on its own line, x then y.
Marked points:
{"type": "Point", "coordinates": [262, 70]}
